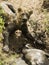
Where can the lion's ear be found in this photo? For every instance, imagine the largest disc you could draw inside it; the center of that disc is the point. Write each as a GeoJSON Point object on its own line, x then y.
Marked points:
{"type": "Point", "coordinates": [30, 12]}
{"type": "Point", "coordinates": [19, 10]}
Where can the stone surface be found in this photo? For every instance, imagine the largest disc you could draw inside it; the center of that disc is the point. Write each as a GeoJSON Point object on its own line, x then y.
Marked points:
{"type": "Point", "coordinates": [36, 56]}
{"type": "Point", "coordinates": [19, 61]}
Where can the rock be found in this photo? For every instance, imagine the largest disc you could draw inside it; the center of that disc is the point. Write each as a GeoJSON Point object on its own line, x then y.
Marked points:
{"type": "Point", "coordinates": [7, 9]}
{"type": "Point", "coordinates": [6, 48]}
{"type": "Point", "coordinates": [36, 56]}
{"type": "Point", "coordinates": [19, 61]}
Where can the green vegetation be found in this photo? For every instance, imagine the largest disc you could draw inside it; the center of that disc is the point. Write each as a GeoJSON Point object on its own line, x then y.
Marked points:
{"type": "Point", "coordinates": [1, 63]}
{"type": "Point", "coordinates": [1, 23]}
{"type": "Point", "coordinates": [1, 19]}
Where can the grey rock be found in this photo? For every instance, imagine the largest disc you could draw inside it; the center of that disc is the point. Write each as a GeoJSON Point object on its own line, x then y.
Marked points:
{"type": "Point", "coordinates": [19, 61]}
{"type": "Point", "coordinates": [36, 57]}
{"type": "Point", "coordinates": [6, 48]}
{"type": "Point", "coordinates": [5, 7]}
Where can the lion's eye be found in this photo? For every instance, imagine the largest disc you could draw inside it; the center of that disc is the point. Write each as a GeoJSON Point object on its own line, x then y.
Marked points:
{"type": "Point", "coordinates": [22, 14]}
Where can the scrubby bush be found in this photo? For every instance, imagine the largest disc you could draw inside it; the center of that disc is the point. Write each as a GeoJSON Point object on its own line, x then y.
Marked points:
{"type": "Point", "coordinates": [1, 19]}
{"type": "Point", "coordinates": [1, 23]}
{"type": "Point", "coordinates": [1, 63]}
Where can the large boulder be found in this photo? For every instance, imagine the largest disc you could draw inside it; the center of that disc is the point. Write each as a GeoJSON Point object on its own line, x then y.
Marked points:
{"type": "Point", "coordinates": [35, 56]}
